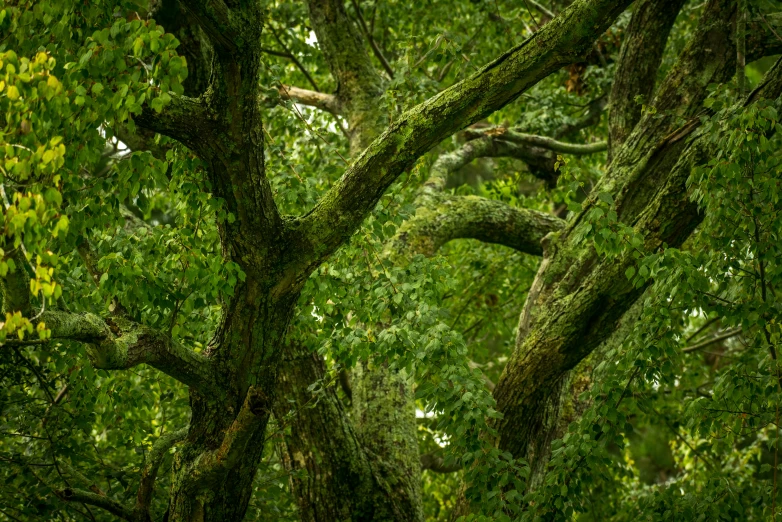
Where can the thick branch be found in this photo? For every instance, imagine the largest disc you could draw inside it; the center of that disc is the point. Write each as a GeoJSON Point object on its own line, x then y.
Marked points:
{"type": "Point", "coordinates": [444, 218]}
{"type": "Point", "coordinates": [149, 473]}
{"type": "Point", "coordinates": [319, 100]}
{"type": "Point", "coordinates": [639, 60]}
{"type": "Point", "coordinates": [122, 344]}
{"type": "Point", "coordinates": [558, 43]}
{"type": "Point", "coordinates": [183, 119]}
{"type": "Point", "coordinates": [93, 499]}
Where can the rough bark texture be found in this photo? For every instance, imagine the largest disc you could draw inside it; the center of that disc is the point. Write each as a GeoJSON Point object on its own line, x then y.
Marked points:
{"type": "Point", "coordinates": [639, 60]}
{"type": "Point", "coordinates": [578, 297]}
{"type": "Point", "coordinates": [214, 469]}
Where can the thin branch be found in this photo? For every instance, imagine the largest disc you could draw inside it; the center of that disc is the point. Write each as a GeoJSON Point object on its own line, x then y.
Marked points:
{"type": "Point", "coordinates": [148, 475]}
{"type": "Point", "coordinates": [708, 342]}
{"type": "Point", "coordinates": [293, 58]}
{"type": "Point", "coordinates": [375, 49]}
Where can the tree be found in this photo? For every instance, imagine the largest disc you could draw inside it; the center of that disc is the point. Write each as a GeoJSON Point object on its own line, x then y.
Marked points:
{"type": "Point", "coordinates": [288, 239]}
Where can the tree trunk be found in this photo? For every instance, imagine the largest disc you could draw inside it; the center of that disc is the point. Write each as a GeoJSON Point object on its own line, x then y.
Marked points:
{"type": "Point", "coordinates": [214, 471]}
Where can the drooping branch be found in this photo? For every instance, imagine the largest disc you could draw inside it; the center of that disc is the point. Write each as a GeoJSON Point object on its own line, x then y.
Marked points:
{"type": "Point", "coordinates": [344, 207]}
{"type": "Point", "coordinates": [639, 61]}
{"type": "Point", "coordinates": [121, 344]}
{"type": "Point", "coordinates": [149, 472]}
{"type": "Point", "coordinates": [319, 100]}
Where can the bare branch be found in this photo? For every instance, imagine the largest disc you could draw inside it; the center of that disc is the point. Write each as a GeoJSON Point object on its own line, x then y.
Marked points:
{"type": "Point", "coordinates": [319, 100]}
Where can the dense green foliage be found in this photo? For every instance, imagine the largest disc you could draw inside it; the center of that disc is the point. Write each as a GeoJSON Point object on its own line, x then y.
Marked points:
{"type": "Point", "coordinates": [671, 413]}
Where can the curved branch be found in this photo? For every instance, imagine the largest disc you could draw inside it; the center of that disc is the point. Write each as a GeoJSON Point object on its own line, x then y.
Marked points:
{"type": "Point", "coordinates": [149, 473]}
{"type": "Point", "coordinates": [121, 344]}
{"type": "Point", "coordinates": [93, 499]}
{"type": "Point", "coordinates": [319, 100]}
{"type": "Point", "coordinates": [445, 218]}
{"type": "Point", "coordinates": [344, 207]}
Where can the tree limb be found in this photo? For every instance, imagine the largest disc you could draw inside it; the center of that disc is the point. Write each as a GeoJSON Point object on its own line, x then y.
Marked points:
{"type": "Point", "coordinates": [319, 100]}
{"type": "Point", "coordinates": [543, 142]}
{"type": "Point", "coordinates": [149, 472]}
{"type": "Point", "coordinates": [93, 499]}
{"type": "Point", "coordinates": [712, 340]}
{"type": "Point", "coordinates": [184, 119]}
{"type": "Point", "coordinates": [639, 60]}
{"type": "Point", "coordinates": [354, 195]}
{"type": "Point", "coordinates": [121, 344]}
{"type": "Point", "coordinates": [445, 218]}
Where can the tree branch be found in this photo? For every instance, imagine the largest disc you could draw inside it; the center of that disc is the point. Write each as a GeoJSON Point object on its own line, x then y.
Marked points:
{"type": "Point", "coordinates": [375, 49]}
{"type": "Point", "coordinates": [121, 344]}
{"type": "Point", "coordinates": [543, 142]}
{"type": "Point", "coordinates": [184, 119]}
{"type": "Point", "coordinates": [445, 218]}
{"type": "Point", "coordinates": [149, 473]}
{"type": "Point", "coordinates": [639, 60]}
{"type": "Point", "coordinates": [93, 499]}
{"type": "Point", "coordinates": [708, 342]}
{"type": "Point", "coordinates": [344, 207]}
{"type": "Point", "coordinates": [319, 100]}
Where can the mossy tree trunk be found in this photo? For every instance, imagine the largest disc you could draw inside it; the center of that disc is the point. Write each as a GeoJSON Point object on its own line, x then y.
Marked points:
{"type": "Point", "coordinates": [233, 385]}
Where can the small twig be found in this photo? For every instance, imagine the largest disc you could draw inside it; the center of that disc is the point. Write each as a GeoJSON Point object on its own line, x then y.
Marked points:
{"type": "Point", "coordinates": [293, 58]}
{"type": "Point", "coordinates": [708, 342]}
